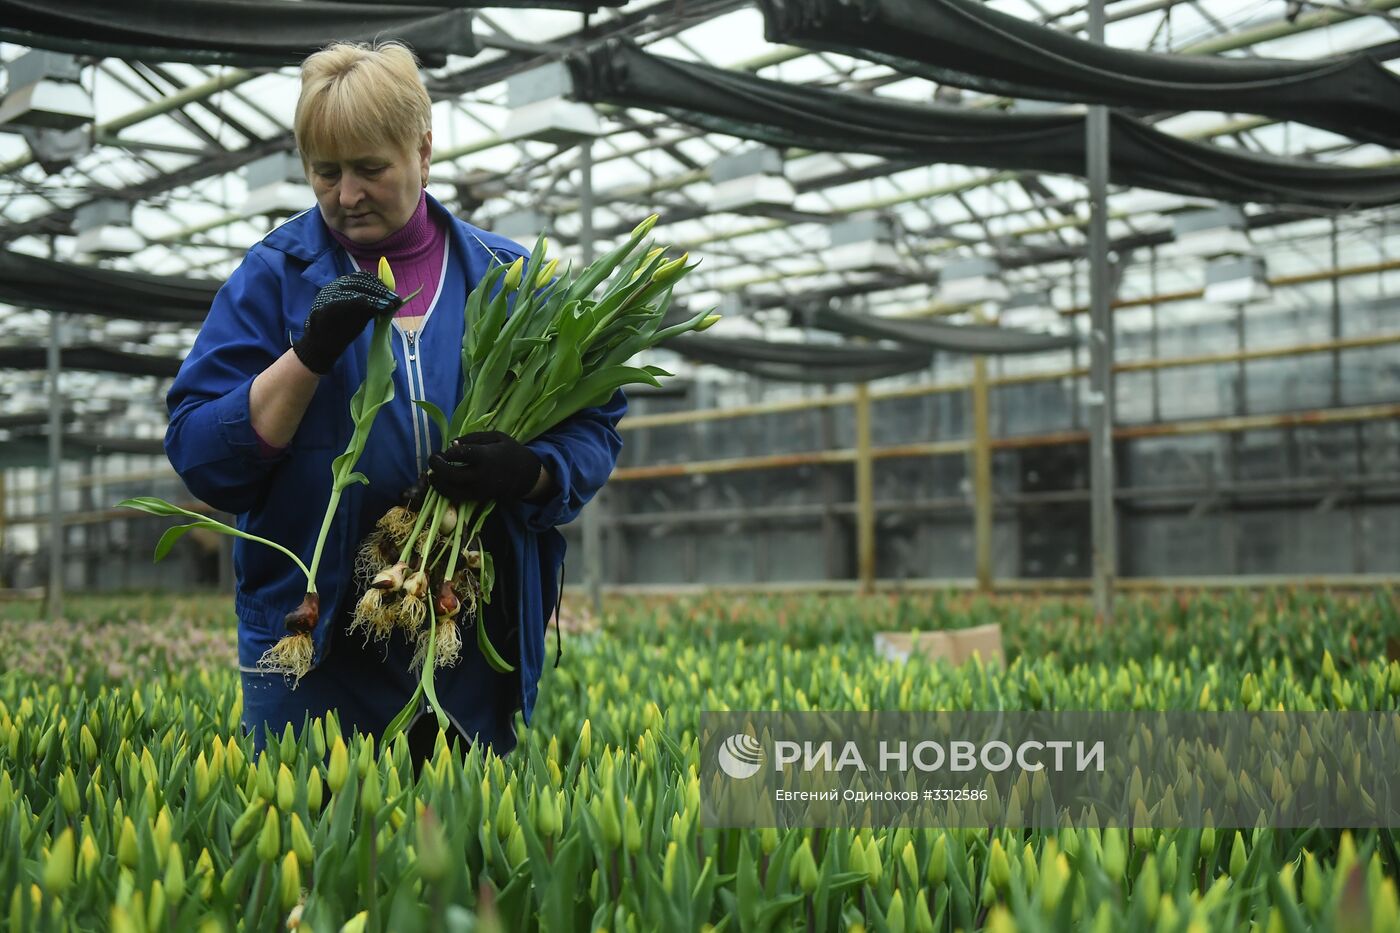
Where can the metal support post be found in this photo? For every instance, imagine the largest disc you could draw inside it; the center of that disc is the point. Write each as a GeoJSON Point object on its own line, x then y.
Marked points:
{"type": "Point", "coordinates": [865, 492]}
{"type": "Point", "coordinates": [4, 512]}
{"type": "Point", "coordinates": [54, 597]}
{"type": "Point", "coordinates": [981, 470]}
{"type": "Point", "coordinates": [1101, 479]}
{"type": "Point", "coordinates": [1336, 325]}
{"type": "Point", "coordinates": [590, 518]}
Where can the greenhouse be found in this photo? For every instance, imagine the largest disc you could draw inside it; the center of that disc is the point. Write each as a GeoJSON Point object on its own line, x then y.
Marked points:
{"type": "Point", "coordinates": [485, 468]}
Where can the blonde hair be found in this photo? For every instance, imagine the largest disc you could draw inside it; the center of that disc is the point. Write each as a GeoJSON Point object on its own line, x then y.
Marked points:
{"type": "Point", "coordinates": [354, 94]}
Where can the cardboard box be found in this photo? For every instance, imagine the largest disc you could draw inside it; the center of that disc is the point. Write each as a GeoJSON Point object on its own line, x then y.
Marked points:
{"type": "Point", "coordinates": [957, 646]}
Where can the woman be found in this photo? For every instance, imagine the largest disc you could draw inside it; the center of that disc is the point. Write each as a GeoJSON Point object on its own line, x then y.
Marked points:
{"type": "Point", "coordinates": [260, 409]}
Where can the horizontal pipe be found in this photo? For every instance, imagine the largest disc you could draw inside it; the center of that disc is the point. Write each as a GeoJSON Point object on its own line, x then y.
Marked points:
{"type": "Point", "coordinates": [1007, 503]}
{"type": "Point", "coordinates": [638, 422]}
{"type": "Point", "coordinates": [1226, 425]}
{"type": "Point", "coordinates": [1356, 581]}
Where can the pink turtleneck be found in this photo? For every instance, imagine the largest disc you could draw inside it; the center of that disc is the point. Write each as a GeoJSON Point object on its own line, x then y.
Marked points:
{"type": "Point", "coordinates": [415, 252]}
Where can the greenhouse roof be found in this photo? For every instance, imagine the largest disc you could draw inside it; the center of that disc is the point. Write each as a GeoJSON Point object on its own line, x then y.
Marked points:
{"type": "Point", "coordinates": [175, 140]}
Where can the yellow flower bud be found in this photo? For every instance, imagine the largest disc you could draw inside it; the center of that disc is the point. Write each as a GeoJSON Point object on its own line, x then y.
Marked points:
{"type": "Point", "coordinates": [999, 867]}
{"type": "Point", "coordinates": [301, 841]}
{"type": "Point", "coordinates": [286, 789]}
{"type": "Point", "coordinates": [585, 741]}
{"type": "Point", "coordinates": [175, 873]}
{"type": "Point", "coordinates": [356, 924]}
{"type": "Point", "coordinates": [632, 828]}
{"type": "Point", "coordinates": [87, 858]}
{"type": "Point", "coordinates": [431, 847]}
{"type": "Point", "coordinates": [516, 853]}
{"type": "Point", "coordinates": [270, 839]}
{"type": "Point", "coordinates": [162, 835]}
{"type": "Point", "coordinates": [314, 790]}
{"type": "Point", "coordinates": [290, 879]}
{"type": "Point", "coordinates": [126, 844]}
{"type": "Point", "coordinates": [58, 867]}
{"type": "Point", "coordinates": [894, 917]}
{"type": "Point", "coordinates": [937, 871]}
{"type": "Point", "coordinates": [371, 797]}
{"type": "Point", "coordinates": [245, 824]}
{"type": "Point", "coordinates": [340, 765]}
{"type": "Point", "coordinates": [546, 274]}
{"type": "Point", "coordinates": [513, 275]}
{"type": "Point", "coordinates": [669, 271]}
{"type": "Point", "coordinates": [643, 228]}
{"type": "Point", "coordinates": [707, 322]}
{"type": "Point", "coordinates": [204, 870]}
{"type": "Point", "coordinates": [68, 792]}
{"type": "Point", "coordinates": [505, 813]}
{"type": "Point", "coordinates": [386, 274]}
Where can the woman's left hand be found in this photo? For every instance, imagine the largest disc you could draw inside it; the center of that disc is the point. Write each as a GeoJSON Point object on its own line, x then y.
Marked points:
{"type": "Point", "coordinates": [484, 465]}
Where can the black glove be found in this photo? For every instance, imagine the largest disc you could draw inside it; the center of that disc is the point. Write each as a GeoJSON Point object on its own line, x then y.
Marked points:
{"type": "Point", "coordinates": [339, 315]}
{"type": "Point", "coordinates": [484, 465]}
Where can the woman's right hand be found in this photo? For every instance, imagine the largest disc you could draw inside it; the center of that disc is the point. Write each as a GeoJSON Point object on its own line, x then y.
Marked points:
{"type": "Point", "coordinates": [339, 315]}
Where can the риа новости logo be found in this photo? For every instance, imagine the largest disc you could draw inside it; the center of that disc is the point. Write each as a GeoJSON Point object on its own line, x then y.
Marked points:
{"type": "Point", "coordinates": [740, 756]}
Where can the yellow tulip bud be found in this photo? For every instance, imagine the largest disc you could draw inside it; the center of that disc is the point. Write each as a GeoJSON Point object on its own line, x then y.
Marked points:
{"type": "Point", "coordinates": [204, 871]}
{"type": "Point", "coordinates": [999, 867]}
{"type": "Point", "coordinates": [301, 841]}
{"type": "Point", "coordinates": [513, 275]}
{"type": "Point", "coordinates": [707, 322]}
{"type": "Point", "coordinates": [386, 274]}
{"type": "Point", "coordinates": [643, 228]}
{"type": "Point", "coordinates": [356, 924]}
{"type": "Point", "coordinates": [162, 835]}
{"type": "Point", "coordinates": [585, 740]}
{"type": "Point", "coordinates": [175, 873]}
{"type": "Point", "coordinates": [290, 879]}
{"type": "Point", "coordinates": [87, 858]}
{"type": "Point", "coordinates": [68, 792]}
{"type": "Point", "coordinates": [245, 824]}
{"type": "Point", "coordinates": [234, 759]}
{"type": "Point", "coordinates": [632, 828]}
{"type": "Point", "coordinates": [505, 813]}
{"type": "Point", "coordinates": [270, 839]}
{"type": "Point", "coordinates": [894, 916]}
{"type": "Point", "coordinates": [314, 790]}
{"type": "Point", "coordinates": [546, 274]}
{"type": "Point", "coordinates": [58, 867]}
{"type": "Point", "coordinates": [339, 767]}
{"type": "Point", "coordinates": [431, 846]}
{"type": "Point", "coordinates": [371, 797]}
{"type": "Point", "coordinates": [669, 271]}
{"type": "Point", "coordinates": [286, 789]}
{"type": "Point", "coordinates": [516, 852]}
{"type": "Point", "coordinates": [805, 867]}
{"type": "Point", "coordinates": [937, 871]}
{"type": "Point", "coordinates": [126, 844]}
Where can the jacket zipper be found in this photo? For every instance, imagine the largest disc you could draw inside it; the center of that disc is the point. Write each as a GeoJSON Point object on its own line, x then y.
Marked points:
{"type": "Point", "coordinates": [417, 390]}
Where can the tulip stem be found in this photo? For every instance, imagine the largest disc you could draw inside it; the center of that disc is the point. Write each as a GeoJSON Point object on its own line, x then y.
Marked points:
{"type": "Point", "coordinates": [373, 888]}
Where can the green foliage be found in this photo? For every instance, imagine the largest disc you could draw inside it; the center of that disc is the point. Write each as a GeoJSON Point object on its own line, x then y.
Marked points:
{"type": "Point", "coordinates": [137, 803]}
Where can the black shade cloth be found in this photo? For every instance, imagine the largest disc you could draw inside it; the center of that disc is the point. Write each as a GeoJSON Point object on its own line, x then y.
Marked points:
{"type": "Point", "coordinates": [618, 72]}
{"type": "Point", "coordinates": [934, 334]}
{"type": "Point", "coordinates": [244, 33]}
{"type": "Point", "coordinates": [32, 282]}
{"type": "Point", "coordinates": [968, 44]}
{"type": "Point", "coordinates": [32, 450]}
{"type": "Point", "coordinates": [90, 358]}
{"type": "Point", "coordinates": [578, 6]}
{"type": "Point", "coordinates": [800, 362]}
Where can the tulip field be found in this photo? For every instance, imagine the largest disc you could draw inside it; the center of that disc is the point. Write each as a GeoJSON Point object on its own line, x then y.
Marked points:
{"type": "Point", "coordinates": [130, 800]}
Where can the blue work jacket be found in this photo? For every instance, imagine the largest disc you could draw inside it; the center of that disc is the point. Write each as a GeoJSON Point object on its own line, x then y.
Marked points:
{"type": "Point", "coordinates": [256, 316]}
